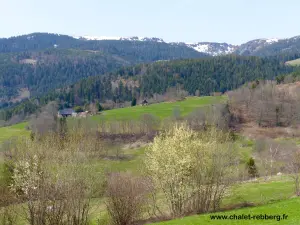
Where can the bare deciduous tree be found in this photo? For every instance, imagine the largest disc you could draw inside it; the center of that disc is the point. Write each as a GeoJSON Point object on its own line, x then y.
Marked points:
{"type": "Point", "coordinates": [45, 120]}
{"type": "Point", "coordinates": [127, 197]}
{"type": "Point", "coordinates": [266, 103]}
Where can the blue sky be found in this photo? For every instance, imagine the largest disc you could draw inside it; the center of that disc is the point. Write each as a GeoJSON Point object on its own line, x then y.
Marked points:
{"type": "Point", "coordinates": [233, 21]}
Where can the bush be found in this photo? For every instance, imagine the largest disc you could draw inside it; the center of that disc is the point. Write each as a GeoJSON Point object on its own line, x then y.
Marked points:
{"type": "Point", "coordinates": [51, 175]}
{"type": "Point", "coordinates": [127, 197]}
{"type": "Point", "coordinates": [78, 109]}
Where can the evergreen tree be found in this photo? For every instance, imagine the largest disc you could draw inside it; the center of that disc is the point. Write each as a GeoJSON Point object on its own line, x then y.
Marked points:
{"type": "Point", "coordinates": [78, 109]}
{"type": "Point", "coordinates": [99, 106]}
{"type": "Point", "coordinates": [252, 170]}
{"type": "Point", "coordinates": [133, 102]}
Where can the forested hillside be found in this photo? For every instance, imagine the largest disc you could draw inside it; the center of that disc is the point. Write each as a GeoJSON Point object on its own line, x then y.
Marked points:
{"type": "Point", "coordinates": [45, 70]}
{"type": "Point", "coordinates": [270, 47]}
{"type": "Point", "coordinates": [41, 62]}
{"type": "Point", "coordinates": [196, 76]}
{"type": "Point", "coordinates": [136, 51]}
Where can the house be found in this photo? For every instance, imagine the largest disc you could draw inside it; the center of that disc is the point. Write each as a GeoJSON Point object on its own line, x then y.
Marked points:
{"type": "Point", "coordinates": [66, 113]}
{"type": "Point", "coordinates": [144, 102]}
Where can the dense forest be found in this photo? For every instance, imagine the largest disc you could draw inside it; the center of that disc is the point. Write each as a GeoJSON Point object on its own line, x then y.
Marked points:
{"type": "Point", "coordinates": [201, 76]}
{"type": "Point", "coordinates": [49, 69]}
{"type": "Point", "coordinates": [41, 62]}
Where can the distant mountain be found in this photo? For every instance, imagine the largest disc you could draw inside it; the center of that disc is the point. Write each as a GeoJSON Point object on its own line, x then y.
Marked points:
{"type": "Point", "coordinates": [133, 49]}
{"type": "Point", "coordinates": [251, 47]}
{"type": "Point", "coordinates": [271, 47]}
{"type": "Point", "coordinates": [139, 47]}
{"type": "Point", "coordinates": [33, 64]}
{"type": "Point", "coordinates": [257, 47]}
{"type": "Point", "coordinates": [134, 38]}
{"type": "Point", "coordinates": [210, 48]}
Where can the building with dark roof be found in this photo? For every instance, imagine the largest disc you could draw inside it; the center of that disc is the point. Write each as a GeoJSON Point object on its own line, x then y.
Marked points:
{"type": "Point", "coordinates": [66, 113]}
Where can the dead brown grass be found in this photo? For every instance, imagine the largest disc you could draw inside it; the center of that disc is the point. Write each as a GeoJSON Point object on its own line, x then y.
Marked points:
{"type": "Point", "coordinates": [253, 131]}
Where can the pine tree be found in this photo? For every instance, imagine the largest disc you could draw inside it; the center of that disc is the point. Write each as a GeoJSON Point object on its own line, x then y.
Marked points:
{"type": "Point", "coordinates": [99, 106]}
{"type": "Point", "coordinates": [133, 102]}
{"type": "Point", "coordinates": [252, 170]}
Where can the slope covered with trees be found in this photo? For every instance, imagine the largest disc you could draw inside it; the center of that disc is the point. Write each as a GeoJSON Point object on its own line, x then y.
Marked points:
{"type": "Point", "coordinates": [45, 70]}
{"type": "Point", "coordinates": [196, 76]}
{"type": "Point", "coordinates": [41, 62]}
{"type": "Point", "coordinates": [270, 47]}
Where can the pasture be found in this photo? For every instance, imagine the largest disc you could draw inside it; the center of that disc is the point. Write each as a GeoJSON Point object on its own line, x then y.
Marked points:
{"type": "Point", "coordinates": [288, 207]}
{"type": "Point", "coordinates": [160, 110]}
{"type": "Point", "coordinates": [295, 62]}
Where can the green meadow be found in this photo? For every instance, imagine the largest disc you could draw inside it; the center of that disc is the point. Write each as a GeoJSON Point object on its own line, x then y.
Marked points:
{"type": "Point", "coordinates": [160, 110]}
{"type": "Point", "coordinates": [288, 207]}
{"type": "Point", "coordinates": [16, 130]}
{"type": "Point", "coordinates": [295, 62]}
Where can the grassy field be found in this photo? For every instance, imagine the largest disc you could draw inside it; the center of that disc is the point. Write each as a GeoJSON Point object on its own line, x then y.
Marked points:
{"type": "Point", "coordinates": [288, 207]}
{"type": "Point", "coordinates": [161, 110]}
{"type": "Point", "coordinates": [13, 131]}
{"type": "Point", "coordinates": [295, 62]}
{"type": "Point", "coordinates": [259, 192]}
{"type": "Point", "coordinates": [265, 194]}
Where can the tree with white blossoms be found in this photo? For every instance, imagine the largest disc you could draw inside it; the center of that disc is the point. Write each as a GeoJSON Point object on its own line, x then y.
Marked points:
{"type": "Point", "coordinates": [26, 176]}
{"type": "Point", "coordinates": [187, 167]}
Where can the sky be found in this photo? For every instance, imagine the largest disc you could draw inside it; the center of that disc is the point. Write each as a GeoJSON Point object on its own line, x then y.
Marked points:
{"type": "Point", "coordinates": [231, 21]}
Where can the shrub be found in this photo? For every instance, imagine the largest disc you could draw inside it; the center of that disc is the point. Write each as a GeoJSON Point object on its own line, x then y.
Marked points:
{"type": "Point", "coordinates": [51, 175]}
{"type": "Point", "coordinates": [78, 109]}
{"type": "Point", "coordinates": [127, 197]}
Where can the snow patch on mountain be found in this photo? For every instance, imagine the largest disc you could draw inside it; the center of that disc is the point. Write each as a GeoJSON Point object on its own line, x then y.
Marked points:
{"type": "Point", "coordinates": [97, 38]}
{"type": "Point", "coordinates": [133, 38]}
{"type": "Point", "coordinates": [272, 40]}
{"type": "Point", "coordinates": [212, 48]}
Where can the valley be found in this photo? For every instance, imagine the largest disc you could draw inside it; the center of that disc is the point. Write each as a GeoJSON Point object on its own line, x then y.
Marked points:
{"type": "Point", "coordinates": [167, 132]}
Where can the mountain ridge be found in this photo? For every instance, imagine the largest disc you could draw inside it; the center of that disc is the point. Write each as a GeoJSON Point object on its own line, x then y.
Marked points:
{"type": "Point", "coordinates": [256, 47]}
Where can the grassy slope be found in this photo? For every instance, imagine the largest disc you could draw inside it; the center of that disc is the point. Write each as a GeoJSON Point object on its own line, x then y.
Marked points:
{"type": "Point", "coordinates": [289, 207]}
{"type": "Point", "coordinates": [12, 131]}
{"type": "Point", "coordinates": [295, 62]}
{"type": "Point", "coordinates": [259, 192]}
{"type": "Point", "coordinates": [161, 110]}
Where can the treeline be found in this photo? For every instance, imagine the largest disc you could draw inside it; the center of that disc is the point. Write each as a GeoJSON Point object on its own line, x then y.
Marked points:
{"type": "Point", "coordinates": [196, 76]}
